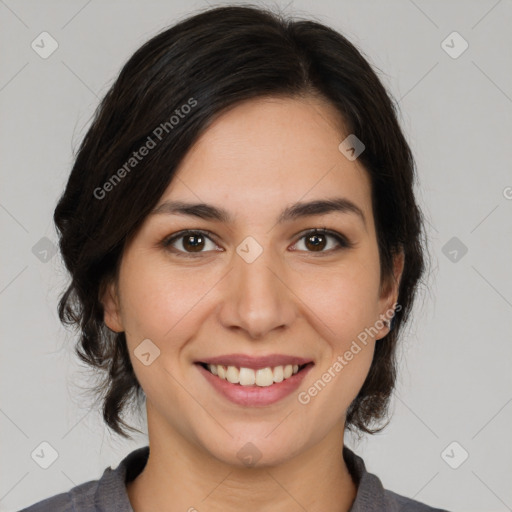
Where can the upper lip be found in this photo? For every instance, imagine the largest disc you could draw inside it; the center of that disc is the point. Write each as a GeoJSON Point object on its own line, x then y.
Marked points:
{"type": "Point", "coordinates": [255, 362]}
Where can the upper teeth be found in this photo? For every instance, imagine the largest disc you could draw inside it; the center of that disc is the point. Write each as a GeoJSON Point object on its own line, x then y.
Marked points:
{"type": "Point", "coordinates": [249, 377]}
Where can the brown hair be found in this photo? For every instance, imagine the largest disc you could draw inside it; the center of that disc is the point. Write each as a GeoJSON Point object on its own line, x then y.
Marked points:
{"type": "Point", "coordinates": [218, 58]}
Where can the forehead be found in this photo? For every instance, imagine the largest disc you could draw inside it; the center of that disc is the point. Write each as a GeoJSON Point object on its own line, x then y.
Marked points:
{"type": "Point", "coordinates": [268, 151]}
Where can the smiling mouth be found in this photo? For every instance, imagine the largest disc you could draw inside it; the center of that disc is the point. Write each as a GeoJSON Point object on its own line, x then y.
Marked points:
{"type": "Point", "coordinates": [262, 377]}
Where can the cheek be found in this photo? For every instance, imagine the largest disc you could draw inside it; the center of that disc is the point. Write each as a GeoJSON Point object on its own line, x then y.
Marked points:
{"type": "Point", "coordinates": [346, 299]}
{"type": "Point", "coordinates": [161, 304]}
{"type": "Point", "coordinates": [346, 303]}
{"type": "Point", "coordinates": [158, 300]}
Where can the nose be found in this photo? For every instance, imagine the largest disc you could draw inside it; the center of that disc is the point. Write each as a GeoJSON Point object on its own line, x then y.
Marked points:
{"type": "Point", "coordinates": [256, 297]}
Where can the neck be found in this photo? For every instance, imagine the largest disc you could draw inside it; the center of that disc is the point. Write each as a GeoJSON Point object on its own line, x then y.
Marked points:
{"type": "Point", "coordinates": [181, 476]}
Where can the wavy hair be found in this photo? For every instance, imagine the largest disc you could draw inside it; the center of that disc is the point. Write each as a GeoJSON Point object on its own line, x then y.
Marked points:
{"type": "Point", "coordinates": [219, 57]}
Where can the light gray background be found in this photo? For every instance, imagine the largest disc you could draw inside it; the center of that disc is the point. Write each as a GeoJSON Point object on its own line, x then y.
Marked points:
{"type": "Point", "coordinates": [455, 380]}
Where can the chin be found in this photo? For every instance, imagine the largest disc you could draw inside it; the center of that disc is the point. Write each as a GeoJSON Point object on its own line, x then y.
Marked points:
{"type": "Point", "coordinates": [254, 451]}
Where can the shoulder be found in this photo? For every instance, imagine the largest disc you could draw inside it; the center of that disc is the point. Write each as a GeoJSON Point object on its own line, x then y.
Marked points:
{"type": "Point", "coordinates": [371, 495]}
{"type": "Point", "coordinates": [107, 493]}
{"type": "Point", "coordinates": [78, 499]}
{"type": "Point", "coordinates": [403, 504]}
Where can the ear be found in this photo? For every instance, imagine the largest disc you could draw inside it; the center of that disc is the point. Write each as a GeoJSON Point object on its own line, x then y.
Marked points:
{"type": "Point", "coordinates": [109, 297]}
{"type": "Point", "coordinates": [389, 291]}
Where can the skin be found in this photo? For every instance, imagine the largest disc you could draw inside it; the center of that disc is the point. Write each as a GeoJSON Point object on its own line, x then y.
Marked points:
{"type": "Point", "coordinates": [254, 160]}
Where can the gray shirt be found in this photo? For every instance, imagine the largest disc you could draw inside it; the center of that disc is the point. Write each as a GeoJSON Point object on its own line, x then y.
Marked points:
{"type": "Point", "coordinates": [108, 494]}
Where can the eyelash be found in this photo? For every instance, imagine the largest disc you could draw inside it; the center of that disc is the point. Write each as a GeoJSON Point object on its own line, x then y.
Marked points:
{"type": "Point", "coordinates": [167, 242]}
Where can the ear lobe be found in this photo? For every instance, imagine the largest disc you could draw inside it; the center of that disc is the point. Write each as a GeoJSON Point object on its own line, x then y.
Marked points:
{"type": "Point", "coordinates": [111, 310]}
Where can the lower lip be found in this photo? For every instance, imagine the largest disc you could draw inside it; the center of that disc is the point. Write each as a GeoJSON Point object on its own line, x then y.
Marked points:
{"type": "Point", "coordinates": [254, 396]}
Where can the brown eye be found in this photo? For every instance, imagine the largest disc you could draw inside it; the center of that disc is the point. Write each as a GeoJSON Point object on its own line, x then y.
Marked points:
{"type": "Point", "coordinates": [189, 242]}
{"type": "Point", "coordinates": [318, 239]}
{"type": "Point", "coordinates": [194, 243]}
{"type": "Point", "coordinates": [315, 242]}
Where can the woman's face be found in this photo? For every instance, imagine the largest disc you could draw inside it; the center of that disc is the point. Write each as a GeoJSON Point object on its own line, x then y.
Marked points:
{"type": "Point", "coordinates": [256, 285]}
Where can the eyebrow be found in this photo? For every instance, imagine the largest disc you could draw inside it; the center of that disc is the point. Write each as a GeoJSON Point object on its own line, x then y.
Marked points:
{"type": "Point", "coordinates": [293, 212]}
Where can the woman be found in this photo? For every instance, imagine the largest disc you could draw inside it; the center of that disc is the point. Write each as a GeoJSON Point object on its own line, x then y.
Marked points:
{"type": "Point", "coordinates": [245, 247]}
